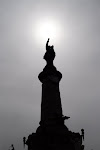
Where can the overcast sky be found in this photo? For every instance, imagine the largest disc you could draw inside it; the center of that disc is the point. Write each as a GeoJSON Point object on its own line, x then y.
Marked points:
{"type": "Point", "coordinates": [77, 57]}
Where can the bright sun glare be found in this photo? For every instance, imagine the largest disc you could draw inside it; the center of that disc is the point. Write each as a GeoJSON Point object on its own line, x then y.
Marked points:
{"type": "Point", "coordinates": [47, 29]}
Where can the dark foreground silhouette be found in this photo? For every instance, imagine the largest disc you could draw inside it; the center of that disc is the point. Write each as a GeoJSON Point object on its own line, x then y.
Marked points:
{"type": "Point", "coordinates": [52, 134]}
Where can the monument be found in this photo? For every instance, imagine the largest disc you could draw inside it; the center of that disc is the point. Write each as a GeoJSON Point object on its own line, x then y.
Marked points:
{"type": "Point", "coordinates": [52, 134]}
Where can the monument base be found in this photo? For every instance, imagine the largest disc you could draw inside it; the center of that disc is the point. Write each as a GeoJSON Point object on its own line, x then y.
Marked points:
{"type": "Point", "coordinates": [56, 137]}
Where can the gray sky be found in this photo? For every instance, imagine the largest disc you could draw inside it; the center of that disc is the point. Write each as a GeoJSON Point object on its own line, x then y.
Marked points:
{"type": "Point", "coordinates": [77, 57]}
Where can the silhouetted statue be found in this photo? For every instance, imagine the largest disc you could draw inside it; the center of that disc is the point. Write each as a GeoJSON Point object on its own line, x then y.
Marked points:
{"type": "Point", "coordinates": [50, 54]}
{"type": "Point", "coordinates": [82, 134]}
{"type": "Point", "coordinates": [12, 147]}
{"type": "Point", "coordinates": [51, 102]}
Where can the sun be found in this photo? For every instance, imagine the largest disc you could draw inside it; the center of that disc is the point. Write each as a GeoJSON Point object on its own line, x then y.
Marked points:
{"type": "Point", "coordinates": [47, 28]}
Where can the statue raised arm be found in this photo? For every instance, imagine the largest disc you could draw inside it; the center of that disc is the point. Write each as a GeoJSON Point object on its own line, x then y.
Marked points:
{"type": "Point", "coordinates": [47, 44]}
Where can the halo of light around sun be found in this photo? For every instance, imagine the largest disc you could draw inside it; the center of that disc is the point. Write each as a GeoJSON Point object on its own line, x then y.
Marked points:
{"type": "Point", "coordinates": [47, 28]}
